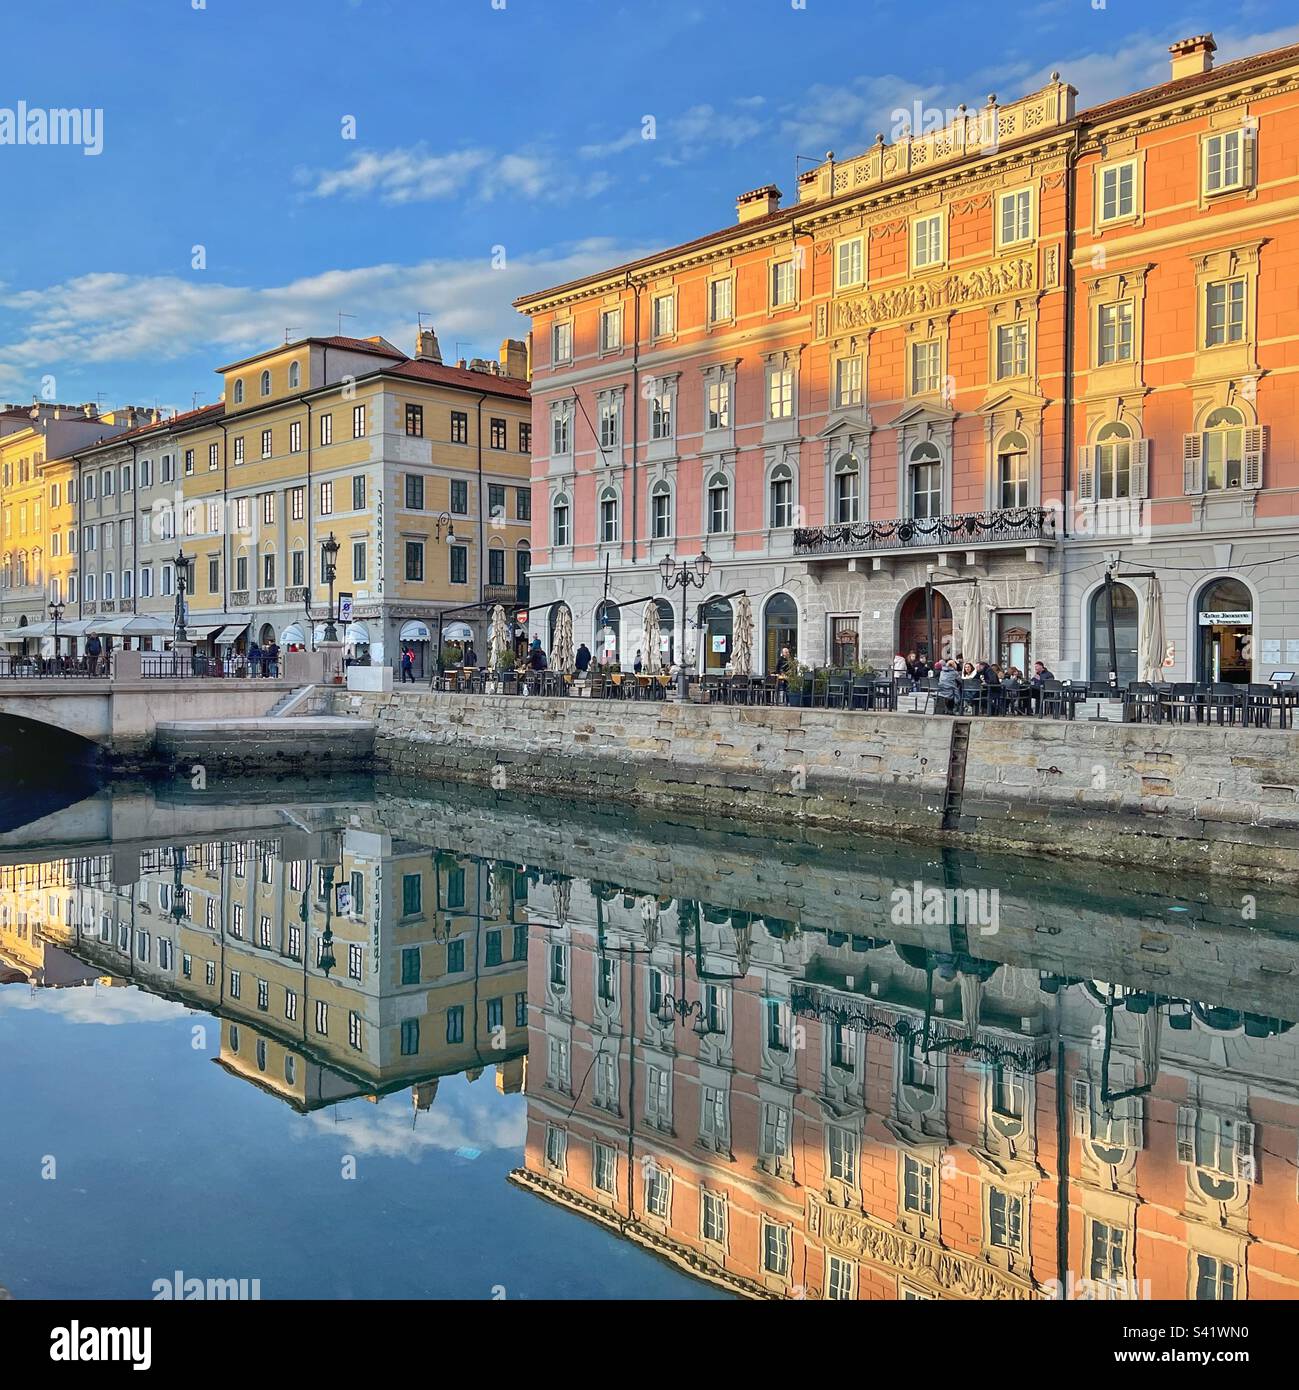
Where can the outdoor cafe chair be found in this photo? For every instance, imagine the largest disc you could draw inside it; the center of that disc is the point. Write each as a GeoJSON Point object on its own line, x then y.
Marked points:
{"type": "Point", "coordinates": [1226, 703]}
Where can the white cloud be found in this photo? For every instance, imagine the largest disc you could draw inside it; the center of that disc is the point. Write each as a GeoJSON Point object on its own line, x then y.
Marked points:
{"type": "Point", "coordinates": [102, 1004]}
{"type": "Point", "coordinates": [109, 317]}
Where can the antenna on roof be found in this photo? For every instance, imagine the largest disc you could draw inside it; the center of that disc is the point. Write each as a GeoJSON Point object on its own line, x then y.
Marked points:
{"type": "Point", "coordinates": [461, 342]}
{"type": "Point", "coordinates": [194, 399]}
{"type": "Point", "coordinates": [341, 317]}
{"type": "Point", "coordinates": [421, 315]}
{"type": "Point", "coordinates": [288, 335]}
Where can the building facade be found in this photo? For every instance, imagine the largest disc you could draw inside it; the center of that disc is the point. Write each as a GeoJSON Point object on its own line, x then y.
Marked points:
{"type": "Point", "coordinates": [925, 372]}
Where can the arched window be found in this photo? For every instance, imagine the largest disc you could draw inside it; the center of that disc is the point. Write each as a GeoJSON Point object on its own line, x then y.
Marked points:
{"type": "Point", "coordinates": [266, 383]}
{"type": "Point", "coordinates": [290, 1061]}
{"type": "Point", "coordinates": [239, 391]}
{"type": "Point", "coordinates": [295, 380]}
{"type": "Point", "coordinates": [559, 527]}
{"type": "Point", "coordinates": [1225, 620]}
{"type": "Point", "coordinates": [608, 516]}
{"type": "Point", "coordinates": [234, 1037]}
{"type": "Point", "coordinates": [1012, 471]}
{"type": "Point", "coordinates": [780, 629]}
{"type": "Point", "coordinates": [925, 481]}
{"type": "Point", "coordinates": [1125, 634]}
{"type": "Point", "coordinates": [261, 1054]}
{"type": "Point", "coordinates": [782, 496]}
{"type": "Point", "coordinates": [608, 624]}
{"type": "Point", "coordinates": [1224, 448]}
{"type": "Point", "coordinates": [718, 633]}
{"type": "Point", "coordinates": [660, 511]}
{"type": "Point", "coordinates": [667, 631]}
{"type": "Point", "coordinates": [719, 505]}
{"type": "Point", "coordinates": [1114, 461]}
{"type": "Point", "coordinates": [847, 490]}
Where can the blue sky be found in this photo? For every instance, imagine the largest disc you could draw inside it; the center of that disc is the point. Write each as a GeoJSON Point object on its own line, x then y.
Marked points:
{"type": "Point", "coordinates": [477, 127]}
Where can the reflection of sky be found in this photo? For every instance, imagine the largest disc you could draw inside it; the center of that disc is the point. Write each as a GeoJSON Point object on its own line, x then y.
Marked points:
{"type": "Point", "coordinates": [167, 1162]}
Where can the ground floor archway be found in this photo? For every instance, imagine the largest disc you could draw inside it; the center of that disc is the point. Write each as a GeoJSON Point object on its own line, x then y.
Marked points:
{"type": "Point", "coordinates": [914, 626]}
{"type": "Point", "coordinates": [1224, 615]}
{"type": "Point", "coordinates": [779, 629]}
{"type": "Point", "coordinates": [1126, 634]}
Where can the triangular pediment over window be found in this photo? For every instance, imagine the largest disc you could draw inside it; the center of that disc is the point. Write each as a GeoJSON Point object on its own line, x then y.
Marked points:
{"type": "Point", "coordinates": [924, 413]}
{"type": "Point", "coordinates": [852, 422]}
{"type": "Point", "coordinates": [1008, 398]}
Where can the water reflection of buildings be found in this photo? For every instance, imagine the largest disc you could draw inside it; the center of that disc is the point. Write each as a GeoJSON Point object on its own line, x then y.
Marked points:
{"type": "Point", "coordinates": [340, 963]}
{"type": "Point", "coordinates": [837, 1116]}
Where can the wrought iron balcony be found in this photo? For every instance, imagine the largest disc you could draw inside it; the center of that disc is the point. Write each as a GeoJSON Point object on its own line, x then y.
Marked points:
{"type": "Point", "coordinates": [1011, 526]}
{"type": "Point", "coordinates": [511, 595]}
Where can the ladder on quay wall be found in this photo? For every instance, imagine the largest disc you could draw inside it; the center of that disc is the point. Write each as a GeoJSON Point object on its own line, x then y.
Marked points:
{"type": "Point", "coordinates": [956, 774]}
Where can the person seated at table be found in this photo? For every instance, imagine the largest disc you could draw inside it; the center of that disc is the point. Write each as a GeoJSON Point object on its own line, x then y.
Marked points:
{"type": "Point", "coordinates": [949, 688]}
{"type": "Point", "coordinates": [1041, 673]}
{"type": "Point", "coordinates": [967, 671]}
{"type": "Point", "coordinates": [536, 657]}
{"type": "Point", "coordinates": [899, 667]}
{"type": "Point", "coordinates": [582, 660]}
{"type": "Point", "coordinates": [987, 673]}
{"type": "Point", "coordinates": [1014, 674]}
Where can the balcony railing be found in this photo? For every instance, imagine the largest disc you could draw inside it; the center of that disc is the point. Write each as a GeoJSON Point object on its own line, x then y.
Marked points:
{"type": "Point", "coordinates": [1014, 525]}
{"type": "Point", "coordinates": [510, 595]}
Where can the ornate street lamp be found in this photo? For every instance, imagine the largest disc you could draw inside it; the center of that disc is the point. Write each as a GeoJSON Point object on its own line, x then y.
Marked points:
{"type": "Point", "coordinates": [56, 612]}
{"type": "Point", "coordinates": [329, 551]}
{"type": "Point", "coordinates": [444, 519]}
{"type": "Point", "coordinates": [182, 586]}
{"type": "Point", "coordinates": [682, 576]}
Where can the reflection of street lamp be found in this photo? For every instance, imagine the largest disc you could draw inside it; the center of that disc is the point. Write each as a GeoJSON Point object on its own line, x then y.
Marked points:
{"type": "Point", "coordinates": [56, 612]}
{"type": "Point", "coordinates": [682, 576]}
{"type": "Point", "coordinates": [329, 551]}
{"type": "Point", "coordinates": [178, 884]}
{"type": "Point", "coordinates": [675, 1005]}
{"type": "Point", "coordinates": [327, 961]}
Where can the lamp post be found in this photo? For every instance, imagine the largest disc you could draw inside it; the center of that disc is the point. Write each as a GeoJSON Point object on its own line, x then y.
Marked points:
{"type": "Point", "coordinates": [674, 1005]}
{"type": "Point", "coordinates": [56, 612]}
{"type": "Point", "coordinates": [326, 959]}
{"type": "Point", "coordinates": [442, 519]}
{"type": "Point", "coordinates": [329, 550]}
{"type": "Point", "coordinates": [682, 576]}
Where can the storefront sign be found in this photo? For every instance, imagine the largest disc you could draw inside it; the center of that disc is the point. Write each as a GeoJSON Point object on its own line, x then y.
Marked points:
{"type": "Point", "coordinates": [719, 645]}
{"type": "Point", "coordinates": [1227, 619]}
{"type": "Point", "coordinates": [345, 608]}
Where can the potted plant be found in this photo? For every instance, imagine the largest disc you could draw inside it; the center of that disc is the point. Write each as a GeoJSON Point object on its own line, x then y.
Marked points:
{"type": "Point", "coordinates": [795, 682]}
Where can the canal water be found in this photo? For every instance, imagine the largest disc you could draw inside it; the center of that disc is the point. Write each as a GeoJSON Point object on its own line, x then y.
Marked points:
{"type": "Point", "coordinates": [367, 1041]}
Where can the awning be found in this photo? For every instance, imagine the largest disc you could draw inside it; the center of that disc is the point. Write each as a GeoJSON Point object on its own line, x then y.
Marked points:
{"type": "Point", "coordinates": [111, 627]}
{"type": "Point", "coordinates": [37, 630]}
{"type": "Point", "coordinates": [200, 632]}
{"type": "Point", "coordinates": [414, 631]}
{"type": "Point", "coordinates": [357, 632]}
{"type": "Point", "coordinates": [149, 625]}
{"type": "Point", "coordinates": [292, 635]}
{"type": "Point", "coordinates": [457, 632]}
{"type": "Point", "coordinates": [230, 634]}
{"type": "Point", "coordinates": [78, 627]}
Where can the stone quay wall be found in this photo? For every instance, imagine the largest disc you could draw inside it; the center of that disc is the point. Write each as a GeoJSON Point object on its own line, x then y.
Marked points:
{"type": "Point", "coordinates": [1192, 798]}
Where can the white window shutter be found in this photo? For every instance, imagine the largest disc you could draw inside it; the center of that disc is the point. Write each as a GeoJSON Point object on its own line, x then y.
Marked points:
{"type": "Point", "coordinates": [1086, 475]}
{"type": "Point", "coordinates": [1255, 446]}
{"type": "Point", "coordinates": [1185, 1134]}
{"type": "Point", "coordinates": [1245, 1166]}
{"type": "Point", "coordinates": [1249, 155]}
{"type": "Point", "coordinates": [1141, 468]}
{"type": "Point", "coordinates": [1192, 464]}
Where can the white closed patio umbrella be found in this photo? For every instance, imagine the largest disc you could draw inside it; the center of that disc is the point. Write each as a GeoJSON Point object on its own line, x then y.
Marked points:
{"type": "Point", "coordinates": [1152, 632]}
{"type": "Point", "coordinates": [742, 647]}
{"type": "Point", "coordinates": [651, 640]}
{"type": "Point", "coordinates": [561, 654]}
{"type": "Point", "coordinates": [498, 637]}
{"type": "Point", "coordinates": [973, 627]}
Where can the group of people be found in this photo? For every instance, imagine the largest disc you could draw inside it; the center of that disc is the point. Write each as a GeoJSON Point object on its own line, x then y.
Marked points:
{"type": "Point", "coordinates": [951, 671]}
{"type": "Point", "coordinates": [264, 661]}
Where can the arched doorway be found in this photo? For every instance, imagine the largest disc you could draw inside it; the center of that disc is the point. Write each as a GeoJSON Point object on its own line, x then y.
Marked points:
{"type": "Point", "coordinates": [913, 626]}
{"type": "Point", "coordinates": [1126, 634]}
{"type": "Point", "coordinates": [608, 632]}
{"type": "Point", "coordinates": [779, 629]}
{"type": "Point", "coordinates": [1225, 617]}
{"type": "Point", "coordinates": [667, 631]}
{"type": "Point", "coordinates": [415, 637]}
{"type": "Point", "coordinates": [718, 632]}
{"type": "Point", "coordinates": [265, 636]}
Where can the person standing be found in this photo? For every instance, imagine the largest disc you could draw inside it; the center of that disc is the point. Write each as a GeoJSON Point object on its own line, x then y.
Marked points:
{"type": "Point", "coordinates": [254, 660]}
{"type": "Point", "coordinates": [93, 648]}
{"type": "Point", "coordinates": [408, 666]}
{"type": "Point", "coordinates": [582, 660]}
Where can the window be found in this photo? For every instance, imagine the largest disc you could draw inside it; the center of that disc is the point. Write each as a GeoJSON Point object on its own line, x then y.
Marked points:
{"type": "Point", "coordinates": [658, 1095]}
{"type": "Point", "coordinates": [498, 432]}
{"type": "Point", "coordinates": [459, 496]}
{"type": "Point", "coordinates": [780, 393]}
{"type": "Point", "coordinates": [850, 263]}
{"type": "Point", "coordinates": [782, 284]}
{"type": "Point", "coordinates": [847, 490]}
{"type": "Point", "coordinates": [610, 424]}
{"type": "Point", "coordinates": [842, 1146]}
{"type": "Point", "coordinates": [926, 366]}
{"type": "Point", "coordinates": [556, 1146]}
{"type": "Point", "coordinates": [1016, 222]}
{"type": "Point", "coordinates": [412, 894]}
{"type": "Point", "coordinates": [360, 571]}
{"type": "Point", "coordinates": [557, 1063]}
{"type": "Point", "coordinates": [658, 1193]}
{"type": "Point", "coordinates": [459, 427]}
{"type": "Point", "coordinates": [268, 571]}
{"type": "Point", "coordinates": [1225, 161]}
{"type": "Point", "coordinates": [1114, 333]}
{"type": "Point", "coordinates": [409, 1037]}
{"type": "Point", "coordinates": [775, 1249]}
{"type": "Point", "coordinates": [239, 391]}
{"type": "Point", "coordinates": [525, 437]}
{"type": "Point", "coordinates": [848, 377]}
{"type": "Point", "coordinates": [719, 404]}
{"type": "Point", "coordinates": [295, 436]}
{"type": "Point", "coordinates": [358, 422]}
{"type": "Point", "coordinates": [1005, 1220]}
{"type": "Point", "coordinates": [608, 516]}
{"type": "Point", "coordinates": [661, 511]}
{"type": "Point", "coordinates": [560, 430]}
{"type": "Point", "coordinates": [297, 501]}
{"type": "Point", "coordinates": [522, 504]}
{"type": "Point", "coordinates": [663, 316]}
{"type": "Point", "coordinates": [146, 582]}
{"type": "Point", "coordinates": [326, 499]}
{"type": "Point", "coordinates": [496, 501]}
{"type": "Point", "coordinates": [559, 521]}
{"type": "Point", "coordinates": [322, 1017]}
{"type": "Point", "coordinates": [295, 375]}
{"type": "Point", "coordinates": [926, 480]}
{"type": "Point", "coordinates": [358, 492]}
{"type": "Point", "coordinates": [459, 563]}
{"type": "Point", "coordinates": [561, 342]}
{"type": "Point", "coordinates": [661, 415]}
{"type": "Point", "coordinates": [840, 1278]}
{"type": "Point", "coordinates": [712, 1220]}
{"type": "Point", "coordinates": [917, 1186]}
{"type": "Point", "coordinates": [266, 383]}
{"type": "Point", "coordinates": [1118, 192]}
{"type": "Point", "coordinates": [410, 965]}
{"type": "Point", "coordinates": [1113, 462]}
{"type": "Point", "coordinates": [415, 421]}
{"type": "Point", "coordinates": [781, 489]}
{"type": "Point", "coordinates": [239, 455]}
{"type": "Point", "coordinates": [1214, 1280]}
{"type": "Point", "coordinates": [496, 566]}
{"type": "Point", "coordinates": [605, 1175]}
{"type": "Point", "coordinates": [1224, 450]}
{"type": "Point", "coordinates": [354, 1029]}
{"type": "Point", "coordinates": [326, 429]}
{"type": "Point", "coordinates": [1224, 317]}
{"type": "Point", "coordinates": [298, 569]}
{"type": "Point", "coordinates": [1105, 1262]}
{"type": "Point", "coordinates": [1012, 350]}
{"type": "Point", "coordinates": [213, 457]}
{"type": "Point", "coordinates": [926, 241]}
{"type": "Point", "coordinates": [611, 330]}
{"type": "Point", "coordinates": [774, 1139]}
{"type": "Point", "coordinates": [1012, 471]}
{"type": "Point", "coordinates": [266, 444]}
{"type": "Point", "coordinates": [720, 308]}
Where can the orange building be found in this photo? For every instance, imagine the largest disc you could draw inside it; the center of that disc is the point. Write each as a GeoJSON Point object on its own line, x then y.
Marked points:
{"type": "Point", "coordinates": [998, 356]}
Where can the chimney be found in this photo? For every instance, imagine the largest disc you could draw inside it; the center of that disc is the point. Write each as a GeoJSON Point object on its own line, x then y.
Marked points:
{"type": "Point", "coordinates": [1191, 56]}
{"type": "Point", "coordinates": [426, 347]}
{"type": "Point", "coordinates": [514, 359]}
{"type": "Point", "coordinates": [758, 203]}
